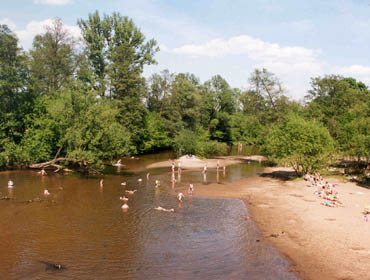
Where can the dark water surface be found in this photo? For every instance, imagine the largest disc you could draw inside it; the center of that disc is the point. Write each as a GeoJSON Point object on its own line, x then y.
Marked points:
{"type": "Point", "coordinates": [83, 227]}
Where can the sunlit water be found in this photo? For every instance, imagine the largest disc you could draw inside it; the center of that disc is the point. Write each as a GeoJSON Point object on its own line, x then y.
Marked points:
{"type": "Point", "coordinates": [82, 226]}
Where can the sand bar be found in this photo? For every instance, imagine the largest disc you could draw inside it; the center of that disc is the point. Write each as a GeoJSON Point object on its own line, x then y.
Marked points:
{"type": "Point", "coordinates": [198, 163]}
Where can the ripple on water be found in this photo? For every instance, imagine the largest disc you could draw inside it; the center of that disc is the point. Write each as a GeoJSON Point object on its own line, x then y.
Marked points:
{"type": "Point", "coordinates": [85, 230]}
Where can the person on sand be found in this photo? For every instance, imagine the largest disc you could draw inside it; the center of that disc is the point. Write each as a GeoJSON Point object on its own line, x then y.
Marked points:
{"type": "Point", "coordinates": [191, 189]}
{"type": "Point", "coordinates": [160, 208]}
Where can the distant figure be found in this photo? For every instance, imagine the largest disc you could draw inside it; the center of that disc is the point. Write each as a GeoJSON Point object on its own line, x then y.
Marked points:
{"type": "Point", "coordinates": [123, 184]}
{"type": "Point", "coordinates": [119, 163]}
{"type": "Point", "coordinates": [191, 189]}
{"type": "Point", "coordinates": [101, 183]}
{"type": "Point", "coordinates": [204, 169]}
{"type": "Point", "coordinates": [147, 175]}
{"type": "Point", "coordinates": [131, 192]}
{"type": "Point", "coordinates": [124, 206]}
{"type": "Point", "coordinates": [173, 166]}
{"type": "Point", "coordinates": [224, 169]}
{"type": "Point", "coordinates": [10, 184]}
{"type": "Point", "coordinates": [157, 183]}
{"type": "Point", "coordinates": [180, 196]}
{"type": "Point", "coordinates": [123, 198]}
{"type": "Point", "coordinates": [46, 192]}
{"type": "Point", "coordinates": [164, 209]}
{"type": "Point", "coordinates": [240, 147]}
{"type": "Point", "coordinates": [42, 172]}
{"type": "Point", "coordinates": [139, 180]}
{"type": "Point", "coordinates": [173, 179]}
{"type": "Point", "coordinates": [179, 166]}
{"type": "Point", "coordinates": [218, 164]}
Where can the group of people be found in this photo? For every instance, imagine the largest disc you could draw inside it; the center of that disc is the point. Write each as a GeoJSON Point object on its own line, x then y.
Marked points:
{"type": "Point", "coordinates": [324, 189]}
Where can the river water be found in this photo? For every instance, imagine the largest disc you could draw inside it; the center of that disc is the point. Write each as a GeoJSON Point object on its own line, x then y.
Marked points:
{"type": "Point", "coordinates": [81, 226]}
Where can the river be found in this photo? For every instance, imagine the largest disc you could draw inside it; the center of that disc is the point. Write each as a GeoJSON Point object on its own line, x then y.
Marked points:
{"type": "Point", "coordinates": [81, 226]}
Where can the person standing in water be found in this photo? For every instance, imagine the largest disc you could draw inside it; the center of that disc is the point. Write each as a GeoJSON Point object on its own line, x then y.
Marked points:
{"type": "Point", "coordinates": [191, 189]}
{"type": "Point", "coordinates": [179, 166]}
{"type": "Point", "coordinates": [204, 169]}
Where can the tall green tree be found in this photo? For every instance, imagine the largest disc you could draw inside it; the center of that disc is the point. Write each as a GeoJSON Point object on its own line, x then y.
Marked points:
{"type": "Point", "coordinates": [16, 99]}
{"type": "Point", "coordinates": [117, 52]}
{"type": "Point", "coordinates": [53, 58]}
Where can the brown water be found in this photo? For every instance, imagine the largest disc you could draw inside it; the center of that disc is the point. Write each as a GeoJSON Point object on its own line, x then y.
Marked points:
{"type": "Point", "coordinates": [83, 227]}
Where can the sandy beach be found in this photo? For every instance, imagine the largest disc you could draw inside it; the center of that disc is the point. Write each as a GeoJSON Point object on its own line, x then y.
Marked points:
{"type": "Point", "coordinates": [321, 242]}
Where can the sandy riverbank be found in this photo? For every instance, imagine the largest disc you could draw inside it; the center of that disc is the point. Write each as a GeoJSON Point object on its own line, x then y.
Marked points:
{"type": "Point", "coordinates": [322, 242]}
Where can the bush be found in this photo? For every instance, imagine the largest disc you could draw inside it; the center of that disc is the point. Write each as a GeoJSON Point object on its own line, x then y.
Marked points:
{"type": "Point", "coordinates": [198, 143]}
{"type": "Point", "coordinates": [305, 145]}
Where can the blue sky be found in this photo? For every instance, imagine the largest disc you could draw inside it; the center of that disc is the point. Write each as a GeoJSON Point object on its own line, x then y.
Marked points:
{"type": "Point", "coordinates": [295, 39]}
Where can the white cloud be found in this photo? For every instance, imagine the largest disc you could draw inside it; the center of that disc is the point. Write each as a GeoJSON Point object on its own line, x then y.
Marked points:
{"type": "Point", "coordinates": [360, 72]}
{"type": "Point", "coordinates": [8, 22]}
{"type": "Point", "coordinates": [284, 59]}
{"type": "Point", "coordinates": [38, 27]}
{"type": "Point", "coordinates": [52, 2]}
{"type": "Point", "coordinates": [244, 44]}
{"type": "Point", "coordinates": [294, 65]}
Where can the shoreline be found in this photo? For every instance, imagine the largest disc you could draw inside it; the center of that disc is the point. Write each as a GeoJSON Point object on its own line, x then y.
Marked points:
{"type": "Point", "coordinates": [319, 242]}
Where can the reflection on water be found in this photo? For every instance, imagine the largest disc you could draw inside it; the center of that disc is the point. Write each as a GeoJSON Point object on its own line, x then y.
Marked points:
{"type": "Point", "coordinates": [82, 226]}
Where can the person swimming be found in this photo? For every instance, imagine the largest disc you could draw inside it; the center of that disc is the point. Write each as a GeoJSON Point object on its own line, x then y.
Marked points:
{"type": "Point", "coordinates": [46, 192]}
{"type": "Point", "coordinates": [123, 184]}
{"type": "Point", "coordinates": [124, 206]}
{"type": "Point", "coordinates": [180, 196]}
{"type": "Point", "coordinates": [10, 184]}
{"type": "Point", "coordinates": [160, 208]}
{"type": "Point", "coordinates": [101, 183]}
{"type": "Point", "coordinates": [42, 172]}
{"type": "Point", "coordinates": [130, 192]}
{"type": "Point", "coordinates": [123, 198]}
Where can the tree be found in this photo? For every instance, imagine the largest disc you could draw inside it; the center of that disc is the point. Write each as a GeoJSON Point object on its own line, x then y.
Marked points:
{"type": "Point", "coordinates": [117, 52]}
{"type": "Point", "coordinates": [217, 106]}
{"type": "Point", "coordinates": [53, 58]}
{"type": "Point", "coordinates": [16, 100]}
{"type": "Point", "coordinates": [266, 85]}
{"type": "Point", "coordinates": [304, 145]}
{"type": "Point", "coordinates": [76, 125]}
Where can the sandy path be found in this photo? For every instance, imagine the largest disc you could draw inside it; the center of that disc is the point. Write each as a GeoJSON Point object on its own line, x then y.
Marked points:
{"type": "Point", "coordinates": [322, 242]}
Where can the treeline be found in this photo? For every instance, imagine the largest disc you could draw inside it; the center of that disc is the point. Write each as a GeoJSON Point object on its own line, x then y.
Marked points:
{"type": "Point", "coordinates": [88, 100]}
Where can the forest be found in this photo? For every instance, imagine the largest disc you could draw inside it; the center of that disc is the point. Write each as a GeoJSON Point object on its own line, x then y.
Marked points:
{"type": "Point", "coordinates": [86, 101]}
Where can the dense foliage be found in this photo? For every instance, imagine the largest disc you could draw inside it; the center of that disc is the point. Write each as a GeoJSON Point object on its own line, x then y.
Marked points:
{"type": "Point", "coordinates": [88, 100]}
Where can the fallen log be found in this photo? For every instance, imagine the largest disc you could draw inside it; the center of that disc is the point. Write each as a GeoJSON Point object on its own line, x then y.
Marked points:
{"type": "Point", "coordinates": [53, 163]}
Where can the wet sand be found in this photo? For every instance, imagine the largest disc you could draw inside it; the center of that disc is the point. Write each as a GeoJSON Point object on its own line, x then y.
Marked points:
{"type": "Point", "coordinates": [321, 242]}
